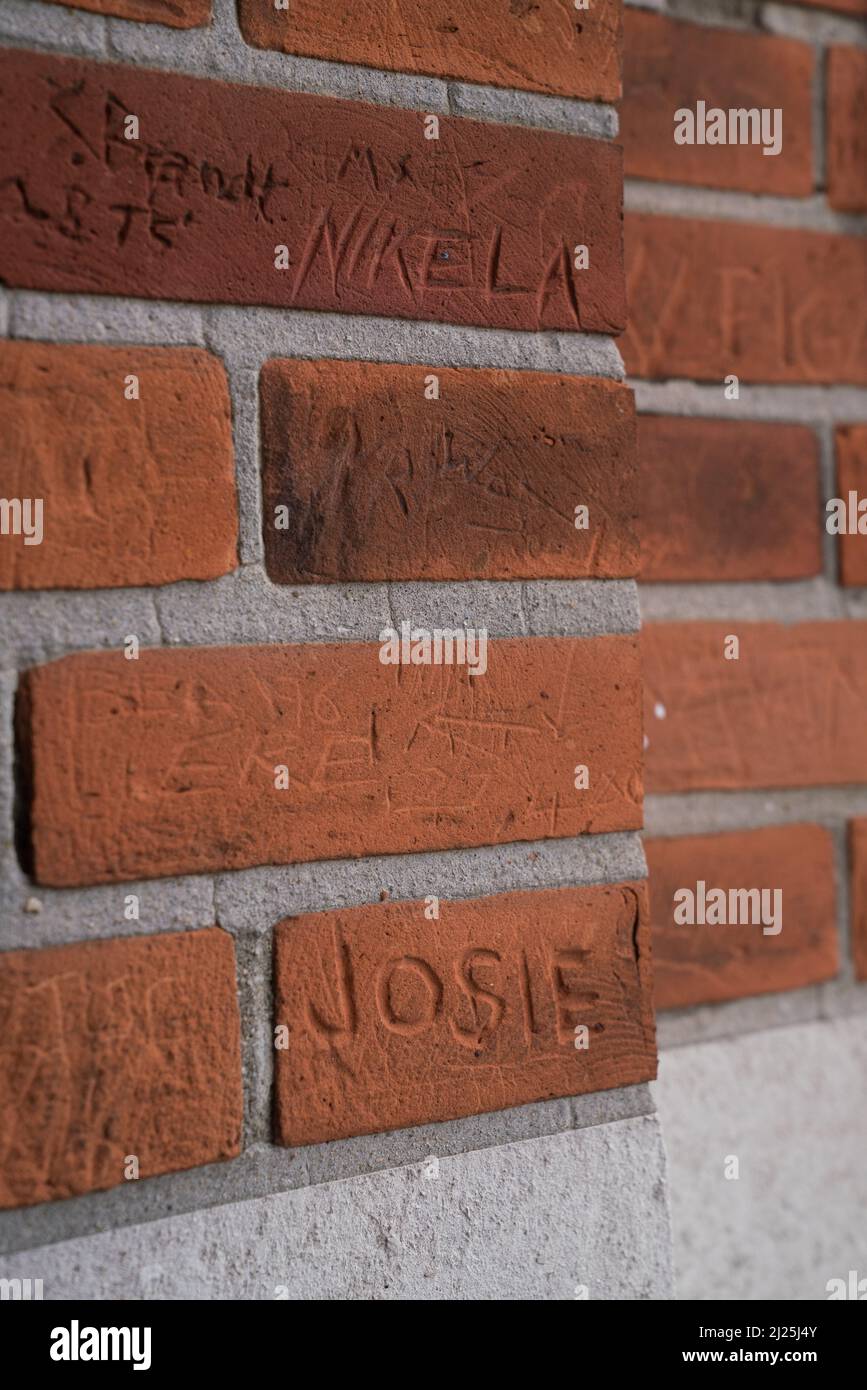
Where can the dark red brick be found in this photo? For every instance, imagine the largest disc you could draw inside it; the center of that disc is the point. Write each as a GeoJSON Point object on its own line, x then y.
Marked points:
{"type": "Point", "coordinates": [477, 227]}
{"type": "Point", "coordinates": [711, 299]}
{"type": "Point", "coordinates": [379, 482]}
{"type": "Point", "coordinates": [177, 14]}
{"type": "Point", "coordinates": [728, 500]}
{"type": "Point", "coordinates": [846, 88]}
{"type": "Point", "coordinates": [851, 448]}
{"type": "Point", "coordinates": [669, 65]}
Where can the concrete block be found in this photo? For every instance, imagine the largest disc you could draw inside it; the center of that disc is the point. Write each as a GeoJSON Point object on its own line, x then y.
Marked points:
{"type": "Point", "coordinates": [533, 1220]}
{"type": "Point", "coordinates": [790, 1105]}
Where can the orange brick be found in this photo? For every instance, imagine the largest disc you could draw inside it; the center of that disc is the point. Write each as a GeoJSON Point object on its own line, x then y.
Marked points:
{"type": "Point", "coordinates": [379, 482]}
{"type": "Point", "coordinates": [669, 65]}
{"type": "Point", "coordinates": [117, 1049]}
{"type": "Point", "coordinates": [790, 712]}
{"type": "Point", "coordinates": [177, 14]}
{"type": "Point", "coordinates": [728, 500]}
{"type": "Point", "coordinates": [706, 964]}
{"type": "Point", "coordinates": [133, 491]}
{"type": "Point", "coordinates": [710, 299]}
{"type": "Point", "coordinates": [531, 45]}
{"type": "Point", "coordinates": [167, 764]}
{"type": "Point", "coordinates": [846, 88]}
{"type": "Point", "coordinates": [395, 1020]}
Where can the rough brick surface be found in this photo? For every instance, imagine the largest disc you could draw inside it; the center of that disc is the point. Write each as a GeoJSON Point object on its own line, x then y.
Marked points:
{"type": "Point", "coordinates": [178, 14]}
{"type": "Point", "coordinates": [167, 764]}
{"type": "Point", "coordinates": [112, 1049]}
{"type": "Point", "coordinates": [790, 712]}
{"type": "Point", "coordinates": [133, 491]}
{"type": "Point", "coordinates": [705, 964]}
{"type": "Point", "coordinates": [669, 65]}
{"type": "Point", "coordinates": [846, 87]}
{"type": "Point", "coordinates": [728, 500]}
{"type": "Point", "coordinates": [707, 299]}
{"type": "Point", "coordinates": [858, 895]}
{"type": "Point", "coordinates": [855, 7]}
{"type": "Point", "coordinates": [531, 45]}
{"type": "Point", "coordinates": [478, 226]}
{"type": "Point", "coordinates": [394, 1019]}
{"type": "Point", "coordinates": [851, 449]}
{"type": "Point", "coordinates": [378, 482]}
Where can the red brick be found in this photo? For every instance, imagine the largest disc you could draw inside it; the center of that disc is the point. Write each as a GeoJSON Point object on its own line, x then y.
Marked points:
{"type": "Point", "coordinates": [858, 895]}
{"type": "Point", "coordinates": [133, 491]}
{"type": "Point", "coordinates": [669, 65]}
{"type": "Point", "coordinates": [790, 712]}
{"type": "Point", "coordinates": [702, 964]}
{"type": "Point", "coordinates": [167, 764]}
{"type": "Point", "coordinates": [482, 483]}
{"type": "Point", "coordinates": [395, 1020]}
{"type": "Point", "coordinates": [477, 227]}
{"type": "Point", "coordinates": [847, 129]}
{"type": "Point", "coordinates": [177, 14]}
{"type": "Point", "coordinates": [117, 1048]}
{"type": "Point", "coordinates": [851, 448]}
{"type": "Point", "coordinates": [856, 7]}
{"type": "Point", "coordinates": [728, 500]}
{"type": "Point", "coordinates": [708, 299]}
{"type": "Point", "coordinates": [531, 45]}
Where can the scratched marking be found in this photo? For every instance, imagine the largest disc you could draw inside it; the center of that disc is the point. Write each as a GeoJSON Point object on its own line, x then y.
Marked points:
{"type": "Point", "coordinates": [88, 1054]}
{"type": "Point", "coordinates": [373, 218]}
{"type": "Point", "coordinates": [471, 1013]}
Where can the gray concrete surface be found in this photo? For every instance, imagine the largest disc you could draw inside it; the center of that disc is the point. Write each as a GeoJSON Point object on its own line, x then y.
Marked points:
{"type": "Point", "coordinates": [537, 1219]}
{"type": "Point", "coordinates": [791, 1105]}
{"type": "Point", "coordinates": [264, 1169]}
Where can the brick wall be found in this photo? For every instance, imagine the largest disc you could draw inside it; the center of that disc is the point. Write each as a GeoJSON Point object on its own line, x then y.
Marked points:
{"type": "Point", "coordinates": [309, 337]}
{"type": "Point", "coordinates": [314, 328]}
{"type": "Point", "coordinates": [747, 350]}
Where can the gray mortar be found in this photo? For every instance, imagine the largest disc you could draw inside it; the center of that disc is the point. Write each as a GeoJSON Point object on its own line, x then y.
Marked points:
{"type": "Point", "coordinates": [810, 405]}
{"type": "Point", "coordinates": [525, 108]}
{"type": "Point", "coordinates": [713, 204]}
{"type": "Point", "coordinates": [813, 26]}
{"type": "Point", "coordinates": [736, 14]}
{"type": "Point", "coordinates": [265, 1168]}
{"type": "Point", "coordinates": [788, 21]}
{"type": "Point", "coordinates": [530, 1218]}
{"type": "Point", "coordinates": [53, 29]}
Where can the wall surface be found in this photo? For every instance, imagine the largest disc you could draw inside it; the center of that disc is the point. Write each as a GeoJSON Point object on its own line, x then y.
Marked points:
{"type": "Point", "coordinates": [755, 768]}
{"type": "Point", "coordinates": [321, 977]}
{"type": "Point", "coordinates": [199, 740]}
